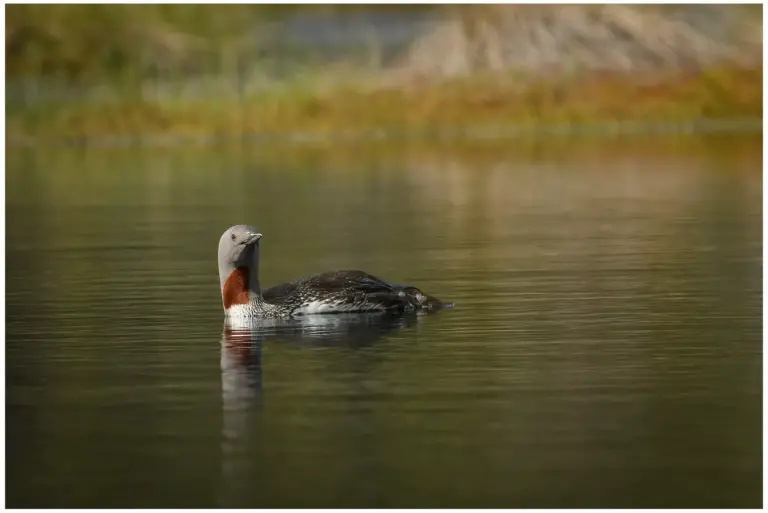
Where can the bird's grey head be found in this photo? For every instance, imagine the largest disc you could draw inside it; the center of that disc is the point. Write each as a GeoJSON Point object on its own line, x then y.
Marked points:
{"type": "Point", "coordinates": [239, 247]}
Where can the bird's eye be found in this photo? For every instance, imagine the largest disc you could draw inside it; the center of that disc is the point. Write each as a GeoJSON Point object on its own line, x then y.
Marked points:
{"type": "Point", "coordinates": [234, 236]}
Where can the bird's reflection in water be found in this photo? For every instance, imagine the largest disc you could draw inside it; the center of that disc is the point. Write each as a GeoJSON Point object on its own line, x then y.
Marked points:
{"type": "Point", "coordinates": [241, 372]}
{"type": "Point", "coordinates": [241, 345]}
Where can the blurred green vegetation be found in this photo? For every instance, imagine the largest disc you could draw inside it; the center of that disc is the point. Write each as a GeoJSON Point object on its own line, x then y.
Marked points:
{"type": "Point", "coordinates": [86, 42]}
{"type": "Point", "coordinates": [94, 41]}
{"type": "Point", "coordinates": [90, 70]}
{"type": "Point", "coordinates": [719, 93]}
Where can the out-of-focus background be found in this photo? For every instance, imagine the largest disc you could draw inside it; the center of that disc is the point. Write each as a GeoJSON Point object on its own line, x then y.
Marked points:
{"type": "Point", "coordinates": [584, 182]}
{"type": "Point", "coordinates": [196, 69]}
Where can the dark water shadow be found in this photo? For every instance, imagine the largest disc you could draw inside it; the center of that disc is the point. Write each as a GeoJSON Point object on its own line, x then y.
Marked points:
{"type": "Point", "coordinates": [241, 345]}
{"type": "Point", "coordinates": [243, 389]}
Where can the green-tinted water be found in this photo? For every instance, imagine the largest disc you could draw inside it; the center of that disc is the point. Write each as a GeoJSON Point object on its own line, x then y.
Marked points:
{"type": "Point", "coordinates": [605, 349]}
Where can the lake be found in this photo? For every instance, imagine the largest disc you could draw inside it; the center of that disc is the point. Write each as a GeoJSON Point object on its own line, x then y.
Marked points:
{"type": "Point", "coordinates": [605, 349]}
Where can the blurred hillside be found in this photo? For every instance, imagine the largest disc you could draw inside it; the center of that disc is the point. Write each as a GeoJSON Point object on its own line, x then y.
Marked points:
{"type": "Point", "coordinates": [567, 38]}
{"type": "Point", "coordinates": [162, 67]}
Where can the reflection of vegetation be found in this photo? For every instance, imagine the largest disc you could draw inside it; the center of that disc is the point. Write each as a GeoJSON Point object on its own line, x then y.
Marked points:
{"type": "Point", "coordinates": [622, 314]}
{"type": "Point", "coordinates": [105, 176]}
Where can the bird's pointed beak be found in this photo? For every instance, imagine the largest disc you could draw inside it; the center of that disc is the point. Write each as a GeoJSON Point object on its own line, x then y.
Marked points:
{"type": "Point", "coordinates": [253, 239]}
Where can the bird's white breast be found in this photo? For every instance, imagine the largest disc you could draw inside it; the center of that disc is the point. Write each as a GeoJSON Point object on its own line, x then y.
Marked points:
{"type": "Point", "coordinates": [332, 306]}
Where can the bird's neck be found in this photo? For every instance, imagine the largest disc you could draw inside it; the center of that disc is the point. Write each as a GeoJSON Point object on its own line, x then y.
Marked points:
{"type": "Point", "coordinates": [241, 287]}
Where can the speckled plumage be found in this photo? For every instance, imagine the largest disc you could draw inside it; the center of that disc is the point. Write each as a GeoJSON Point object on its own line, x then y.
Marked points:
{"type": "Point", "coordinates": [343, 291]}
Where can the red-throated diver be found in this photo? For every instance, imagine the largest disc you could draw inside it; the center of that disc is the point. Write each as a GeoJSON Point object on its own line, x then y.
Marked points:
{"type": "Point", "coordinates": [331, 292]}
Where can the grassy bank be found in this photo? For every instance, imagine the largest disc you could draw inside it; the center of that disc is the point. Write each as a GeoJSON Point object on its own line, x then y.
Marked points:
{"type": "Point", "coordinates": [85, 71]}
{"type": "Point", "coordinates": [413, 105]}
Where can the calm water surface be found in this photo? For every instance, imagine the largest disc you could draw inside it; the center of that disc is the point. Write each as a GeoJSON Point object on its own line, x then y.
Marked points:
{"type": "Point", "coordinates": [605, 349]}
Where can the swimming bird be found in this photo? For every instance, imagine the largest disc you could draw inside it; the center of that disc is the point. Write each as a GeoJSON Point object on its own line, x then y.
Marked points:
{"type": "Point", "coordinates": [330, 292]}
